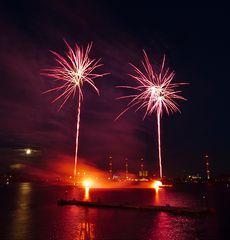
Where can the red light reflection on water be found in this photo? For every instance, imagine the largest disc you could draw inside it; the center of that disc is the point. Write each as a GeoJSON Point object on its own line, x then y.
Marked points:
{"type": "Point", "coordinates": [157, 184]}
{"type": "Point", "coordinates": [85, 228]}
{"type": "Point", "coordinates": [162, 227]}
{"type": "Point", "coordinates": [87, 183]}
{"type": "Point", "coordinates": [86, 195]}
{"type": "Point", "coordinates": [156, 200]}
{"type": "Point", "coordinates": [79, 224]}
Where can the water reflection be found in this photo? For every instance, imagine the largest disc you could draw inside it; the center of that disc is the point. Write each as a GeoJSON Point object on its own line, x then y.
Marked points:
{"type": "Point", "coordinates": [85, 228]}
{"type": "Point", "coordinates": [171, 227]}
{"type": "Point", "coordinates": [36, 215]}
{"type": "Point", "coordinates": [86, 195]}
{"type": "Point", "coordinates": [157, 193]}
{"type": "Point", "coordinates": [21, 216]}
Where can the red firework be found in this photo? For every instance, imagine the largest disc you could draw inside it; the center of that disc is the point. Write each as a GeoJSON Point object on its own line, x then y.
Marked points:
{"type": "Point", "coordinates": [156, 93]}
{"type": "Point", "coordinates": [72, 71]}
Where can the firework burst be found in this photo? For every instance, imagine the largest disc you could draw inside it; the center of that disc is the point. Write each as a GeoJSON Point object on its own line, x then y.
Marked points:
{"type": "Point", "coordinates": [156, 93]}
{"type": "Point", "coordinates": [72, 71]}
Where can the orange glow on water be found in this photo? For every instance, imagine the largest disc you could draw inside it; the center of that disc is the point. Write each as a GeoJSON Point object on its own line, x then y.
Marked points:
{"type": "Point", "coordinates": [156, 197]}
{"type": "Point", "coordinates": [157, 184]}
{"type": "Point", "coordinates": [87, 183]}
{"type": "Point", "coordinates": [86, 196]}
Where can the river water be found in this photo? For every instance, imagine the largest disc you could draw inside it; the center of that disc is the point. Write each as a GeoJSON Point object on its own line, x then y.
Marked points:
{"type": "Point", "coordinates": [29, 211]}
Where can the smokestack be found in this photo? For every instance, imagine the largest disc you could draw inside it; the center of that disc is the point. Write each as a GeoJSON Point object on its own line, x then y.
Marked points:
{"type": "Point", "coordinates": [207, 166]}
{"type": "Point", "coordinates": [142, 165]}
{"type": "Point", "coordinates": [126, 168]}
{"type": "Point", "coordinates": [110, 168]}
{"type": "Point", "coordinates": [143, 174]}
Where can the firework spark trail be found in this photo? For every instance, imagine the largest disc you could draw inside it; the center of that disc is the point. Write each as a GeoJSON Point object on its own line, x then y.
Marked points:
{"type": "Point", "coordinates": [77, 137]}
{"type": "Point", "coordinates": [159, 143]}
{"type": "Point", "coordinates": [156, 93]}
{"type": "Point", "coordinates": [73, 71]}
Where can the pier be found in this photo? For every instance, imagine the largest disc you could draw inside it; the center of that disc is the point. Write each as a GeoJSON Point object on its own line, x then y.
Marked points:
{"type": "Point", "coordinates": [163, 208]}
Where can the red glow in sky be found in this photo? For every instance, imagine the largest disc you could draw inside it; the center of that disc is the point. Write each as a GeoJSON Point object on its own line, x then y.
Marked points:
{"type": "Point", "coordinates": [197, 48]}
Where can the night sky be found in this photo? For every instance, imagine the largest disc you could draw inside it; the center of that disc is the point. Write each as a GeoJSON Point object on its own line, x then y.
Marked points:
{"type": "Point", "coordinates": [196, 44]}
